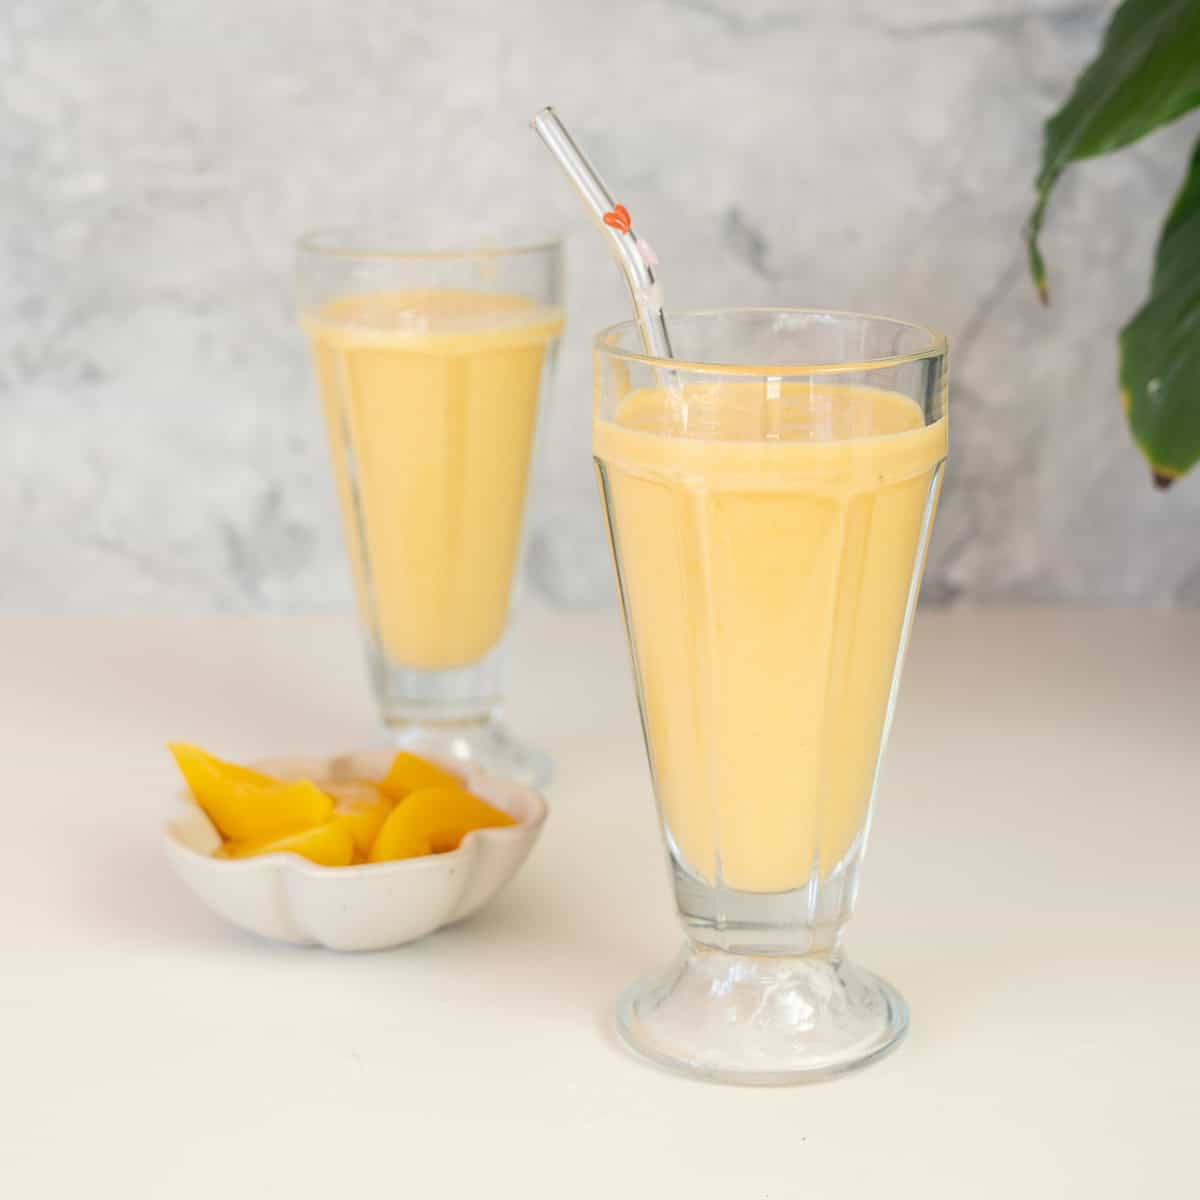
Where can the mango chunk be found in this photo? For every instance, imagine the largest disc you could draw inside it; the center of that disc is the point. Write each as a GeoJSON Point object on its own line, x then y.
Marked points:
{"type": "Point", "coordinates": [433, 821]}
{"type": "Point", "coordinates": [362, 808]}
{"type": "Point", "coordinates": [409, 773]}
{"type": "Point", "coordinates": [329, 845]}
{"type": "Point", "coordinates": [248, 805]}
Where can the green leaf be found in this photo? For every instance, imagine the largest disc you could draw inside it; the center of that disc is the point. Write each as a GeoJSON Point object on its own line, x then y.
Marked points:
{"type": "Point", "coordinates": [1160, 347]}
{"type": "Point", "coordinates": [1146, 74]}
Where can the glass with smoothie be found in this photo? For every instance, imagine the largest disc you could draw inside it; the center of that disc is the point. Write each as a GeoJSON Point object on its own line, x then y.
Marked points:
{"type": "Point", "coordinates": [769, 493]}
{"type": "Point", "coordinates": [432, 368]}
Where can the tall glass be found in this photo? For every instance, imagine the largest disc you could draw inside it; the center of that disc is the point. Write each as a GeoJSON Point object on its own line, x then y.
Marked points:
{"type": "Point", "coordinates": [769, 494]}
{"type": "Point", "coordinates": [432, 368]}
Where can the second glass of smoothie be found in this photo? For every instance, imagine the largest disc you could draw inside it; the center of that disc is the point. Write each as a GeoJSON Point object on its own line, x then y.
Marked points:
{"type": "Point", "coordinates": [432, 369]}
{"type": "Point", "coordinates": [769, 493]}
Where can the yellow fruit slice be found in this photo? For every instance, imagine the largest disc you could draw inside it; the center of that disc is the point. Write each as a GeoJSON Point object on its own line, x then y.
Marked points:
{"type": "Point", "coordinates": [362, 808]}
{"type": "Point", "coordinates": [330, 845]}
{"type": "Point", "coordinates": [193, 760]}
{"type": "Point", "coordinates": [433, 821]}
{"type": "Point", "coordinates": [245, 804]}
{"type": "Point", "coordinates": [410, 773]}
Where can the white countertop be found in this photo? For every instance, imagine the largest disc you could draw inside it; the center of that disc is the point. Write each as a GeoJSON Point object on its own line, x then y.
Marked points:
{"type": "Point", "coordinates": [1032, 888]}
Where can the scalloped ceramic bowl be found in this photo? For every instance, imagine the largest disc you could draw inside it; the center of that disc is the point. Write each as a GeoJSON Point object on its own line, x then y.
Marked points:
{"type": "Point", "coordinates": [369, 907]}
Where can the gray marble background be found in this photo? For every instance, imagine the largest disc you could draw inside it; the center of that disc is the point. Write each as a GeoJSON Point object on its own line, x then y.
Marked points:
{"type": "Point", "coordinates": [161, 445]}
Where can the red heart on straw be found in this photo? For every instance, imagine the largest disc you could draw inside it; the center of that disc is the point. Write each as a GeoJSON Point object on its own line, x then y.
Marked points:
{"type": "Point", "coordinates": [618, 218]}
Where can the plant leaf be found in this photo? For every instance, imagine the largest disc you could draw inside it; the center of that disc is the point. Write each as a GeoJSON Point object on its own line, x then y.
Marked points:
{"type": "Point", "coordinates": [1146, 74]}
{"type": "Point", "coordinates": [1160, 347]}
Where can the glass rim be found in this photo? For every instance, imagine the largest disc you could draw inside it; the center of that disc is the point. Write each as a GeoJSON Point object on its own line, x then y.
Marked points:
{"type": "Point", "coordinates": [383, 242]}
{"type": "Point", "coordinates": [606, 342]}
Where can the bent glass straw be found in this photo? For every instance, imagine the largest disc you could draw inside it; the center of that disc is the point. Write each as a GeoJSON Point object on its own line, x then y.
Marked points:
{"type": "Point", "coordinates": [634, 255]}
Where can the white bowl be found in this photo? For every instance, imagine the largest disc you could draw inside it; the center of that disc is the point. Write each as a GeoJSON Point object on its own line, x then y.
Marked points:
{"type": "Point", "coordinates": [368, 907]}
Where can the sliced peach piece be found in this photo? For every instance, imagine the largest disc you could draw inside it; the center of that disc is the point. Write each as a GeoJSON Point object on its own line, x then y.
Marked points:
{"type": "Point", "coordinates": [411, 773]}
{"type": "Point", "coordinates": [433, 821]}
{"type": "Point", "coordinates": [362, 808]}
{"type": "Point", "coordinates": [245, 804]}
{"type": "Point", "coordinates": [329, 845]}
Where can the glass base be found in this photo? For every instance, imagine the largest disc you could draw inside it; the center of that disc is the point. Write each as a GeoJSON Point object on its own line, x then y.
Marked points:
{"type": "Point", "coordinates": [484, 743]}
{"type": "Point", "coordinates": [761, 1019]}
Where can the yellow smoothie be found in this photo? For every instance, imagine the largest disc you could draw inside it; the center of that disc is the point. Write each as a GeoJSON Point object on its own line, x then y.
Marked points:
{"type": "Point", "coordinates": [430, 402]}
{"type": "Point", "coordinates": [766, 542]}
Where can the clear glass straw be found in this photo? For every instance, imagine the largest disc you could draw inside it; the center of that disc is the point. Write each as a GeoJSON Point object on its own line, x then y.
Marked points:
{"type": "Point", "coordinates": [634, 255]}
